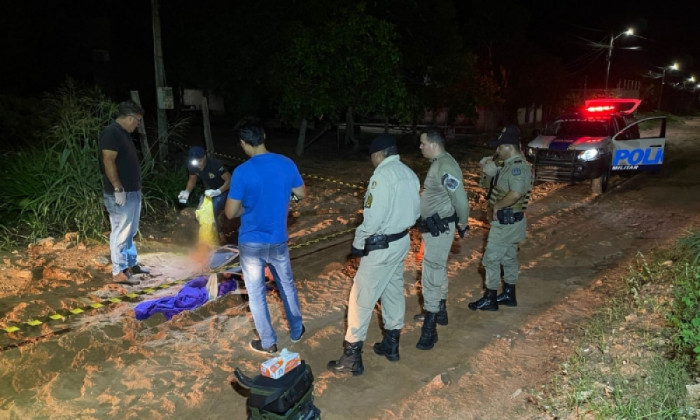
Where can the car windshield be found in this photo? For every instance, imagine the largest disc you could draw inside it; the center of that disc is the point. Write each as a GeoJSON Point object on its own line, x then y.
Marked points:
{"type": "Point", "coordinates": [579, 129]}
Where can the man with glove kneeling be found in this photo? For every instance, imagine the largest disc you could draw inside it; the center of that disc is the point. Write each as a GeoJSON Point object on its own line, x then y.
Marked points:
{"type": "Point", "coordinates": [214, 175]}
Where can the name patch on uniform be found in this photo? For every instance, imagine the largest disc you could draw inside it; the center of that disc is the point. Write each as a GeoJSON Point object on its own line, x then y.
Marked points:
{"type": "Point", "coordinates": [516, 171]}
{"type": "Point", "coordinates": [368, 201]}
{"type": "Point", "coordinates": [450, 182]}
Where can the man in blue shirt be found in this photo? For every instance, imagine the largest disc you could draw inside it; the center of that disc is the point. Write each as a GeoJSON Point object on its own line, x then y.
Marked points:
{"type": "Point", "coordinates": [260, 195]}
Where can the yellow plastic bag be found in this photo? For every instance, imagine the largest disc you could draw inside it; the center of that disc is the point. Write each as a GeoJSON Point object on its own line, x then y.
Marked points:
{"type": "Point", "coordinates": [207, 225]}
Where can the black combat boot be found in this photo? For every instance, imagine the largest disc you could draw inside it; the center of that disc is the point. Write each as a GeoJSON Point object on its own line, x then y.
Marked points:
{"type": "Point", "coordinates": [441, 314]}
{"type": "Point", "coordinates": [350, 361]}
{"type": "Point", "coordinates": [389, 346]}
{"type": "Point", "coordinates": [508, 296]}
{"type": "Point", "coordinates": [486, 303]}
{"type": "Point", "coordinates": [428, 332]}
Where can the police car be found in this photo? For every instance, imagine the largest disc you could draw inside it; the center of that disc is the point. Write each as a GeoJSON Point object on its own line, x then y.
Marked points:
{"type": "Point", "coordinates": [597, 140]}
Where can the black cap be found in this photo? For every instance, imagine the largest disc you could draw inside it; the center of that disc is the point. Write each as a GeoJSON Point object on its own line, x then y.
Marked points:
{"type": "Point", "coordinates": [509, 135]}
{"type": "Point", "coordinates": [196, 152]}
{"type": "Point", "coordinates": [381, 142]}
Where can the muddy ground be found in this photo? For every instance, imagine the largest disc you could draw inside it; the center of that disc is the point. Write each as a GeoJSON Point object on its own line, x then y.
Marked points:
{"type": "Point", "coordinates": [104, 363]}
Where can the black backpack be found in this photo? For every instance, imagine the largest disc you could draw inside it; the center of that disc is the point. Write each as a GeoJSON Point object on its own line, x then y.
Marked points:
{"type": "Point", "coordinates": [289, 397]}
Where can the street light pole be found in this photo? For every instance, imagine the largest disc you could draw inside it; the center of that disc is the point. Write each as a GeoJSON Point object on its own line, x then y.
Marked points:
{"type": "Point", "coordinates": [674, 66]}
{"type": "Point", "coordinates": [629, 31]}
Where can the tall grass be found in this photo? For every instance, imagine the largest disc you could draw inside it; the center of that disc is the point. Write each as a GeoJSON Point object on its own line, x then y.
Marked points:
{"type": "Point", "coordinates": [56, 187]}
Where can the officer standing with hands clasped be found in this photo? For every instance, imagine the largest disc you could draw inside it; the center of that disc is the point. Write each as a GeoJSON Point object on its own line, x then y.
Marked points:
{"type": "Point", "coordinates": [443, 208]}
{"type": "Point", "coordinates": [214, 175]}
{"type": "Point", "coordinates": [509, 193]}
{"type": "Point", "coordinates": [391, 207]}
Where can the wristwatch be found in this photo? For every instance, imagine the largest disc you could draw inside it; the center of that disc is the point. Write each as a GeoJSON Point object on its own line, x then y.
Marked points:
{"type": "Point", "coordinates": [120, 189]}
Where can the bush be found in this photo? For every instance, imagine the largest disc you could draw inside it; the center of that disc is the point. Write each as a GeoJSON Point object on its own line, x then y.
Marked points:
{"type": "Point", "coordinates": [56, 186]}
{"type": "Point", "coordinates": [685, 315]}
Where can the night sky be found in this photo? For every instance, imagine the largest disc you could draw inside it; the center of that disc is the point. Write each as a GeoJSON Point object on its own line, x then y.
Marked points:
{"type": "Point", "coordinates": [45, 41]}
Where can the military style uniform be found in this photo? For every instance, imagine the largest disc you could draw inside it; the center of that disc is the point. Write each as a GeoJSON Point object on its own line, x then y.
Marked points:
{"type": "Point", "coordinates": [444, 194]}
{"type": "Point", "coordinates": [502, 243]}
{"type": "Point", "coordinates": [391, 206]}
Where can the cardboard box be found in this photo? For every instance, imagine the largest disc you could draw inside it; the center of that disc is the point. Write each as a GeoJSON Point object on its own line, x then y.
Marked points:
{"type": "Point", "coordinates": [277, 366]}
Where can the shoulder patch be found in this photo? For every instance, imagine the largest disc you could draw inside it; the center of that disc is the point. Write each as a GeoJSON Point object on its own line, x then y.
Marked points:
{"type": "Point", "coordinates": [368, 201]}
{"type": "Point", "coordinates": [516, 171]}
{"type": "Point", "coordinates": [450, 182]}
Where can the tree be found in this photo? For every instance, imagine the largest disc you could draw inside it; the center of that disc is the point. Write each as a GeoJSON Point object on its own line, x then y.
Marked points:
{"type": "Point", "coordinates": [349, 64]}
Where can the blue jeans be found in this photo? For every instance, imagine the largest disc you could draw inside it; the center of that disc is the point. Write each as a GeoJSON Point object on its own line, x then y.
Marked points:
{"type": "Point", "coordinates": [254, 257]}
{"type": "Point", "coordinates": [125, 224]}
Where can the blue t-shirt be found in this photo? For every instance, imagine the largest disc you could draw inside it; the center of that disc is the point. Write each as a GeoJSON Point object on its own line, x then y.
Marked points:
{"type": "Point", "coordinates": [263, 184]}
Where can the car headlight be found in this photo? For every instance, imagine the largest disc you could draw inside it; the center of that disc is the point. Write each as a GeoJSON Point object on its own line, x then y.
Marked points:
{"type": "Point", "coordinates": [588, 155]}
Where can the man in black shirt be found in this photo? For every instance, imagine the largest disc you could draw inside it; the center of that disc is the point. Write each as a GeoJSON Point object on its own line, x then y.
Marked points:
{"type": "Point", "coordinates": [122, 190]}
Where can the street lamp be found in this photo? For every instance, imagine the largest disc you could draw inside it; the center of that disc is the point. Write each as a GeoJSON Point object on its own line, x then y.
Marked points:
{"type": "Point", "coordinates": [674, 66]}
{"type": "Point", "coordinates": [629, 31]}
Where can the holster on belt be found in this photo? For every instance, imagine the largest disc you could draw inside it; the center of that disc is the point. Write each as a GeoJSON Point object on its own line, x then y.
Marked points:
{"type": "Point", "coordinates": [508, 217]}
{"type": "Point", "coordinates": [436, 224]}
{"type": "Point", "coordinates": [381, 241]}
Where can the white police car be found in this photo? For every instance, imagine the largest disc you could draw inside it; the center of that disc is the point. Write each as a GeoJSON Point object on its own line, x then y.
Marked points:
{"type": "Point", "coordinates": [596, 140]}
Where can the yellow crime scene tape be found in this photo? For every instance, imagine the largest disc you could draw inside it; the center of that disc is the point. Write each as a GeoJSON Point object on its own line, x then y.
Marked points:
{"type": "Point", "coordinates": [303, 174]}
{"type": "Point", "coordinates": [53, 318]}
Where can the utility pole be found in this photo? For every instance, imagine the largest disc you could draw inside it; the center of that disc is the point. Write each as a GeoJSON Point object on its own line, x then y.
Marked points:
{"type": "Point", "coordinates": [160, 84]}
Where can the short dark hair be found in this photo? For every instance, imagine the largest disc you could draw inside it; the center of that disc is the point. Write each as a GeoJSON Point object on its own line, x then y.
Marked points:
{"type": "Point", "coordinates": [251, 133]}
{"type": "Point", "coordinates": [129, 108]}
{"type": "Point", "coordinates": [391, 150]}
{"type": "Point", "coordinates": [434, 135]}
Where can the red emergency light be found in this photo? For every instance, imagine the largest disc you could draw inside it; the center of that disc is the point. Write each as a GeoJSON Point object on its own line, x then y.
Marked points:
{"type": "Point", "coordinates": [611, 105]}
{"type": "Point", "coordinates": [604, 108]}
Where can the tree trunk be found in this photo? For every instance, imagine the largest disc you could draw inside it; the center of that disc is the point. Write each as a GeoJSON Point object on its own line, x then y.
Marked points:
{"type": "Point", "coordinates": [302, 137]}
{"type": "Point", "coordinates": [350, 130]}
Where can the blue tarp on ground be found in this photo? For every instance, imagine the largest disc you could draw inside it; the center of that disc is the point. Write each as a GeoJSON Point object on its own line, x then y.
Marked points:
{"type": "Point", "coordinates": [192, 295]}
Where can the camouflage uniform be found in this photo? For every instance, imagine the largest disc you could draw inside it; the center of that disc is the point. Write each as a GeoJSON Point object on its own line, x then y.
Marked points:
{"type": "Point", "coordinates": [502, 243]}
{"type": "Point", "coordinates": [391, 206]}
{"type": "Point", "coordinates": [444, 194]}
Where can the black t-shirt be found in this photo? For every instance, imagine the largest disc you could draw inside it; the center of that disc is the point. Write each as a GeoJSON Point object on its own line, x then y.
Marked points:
{"type": "Point", "coordinates": [211, 174]}
{"type": "Point", "coordinates": [115, 138]}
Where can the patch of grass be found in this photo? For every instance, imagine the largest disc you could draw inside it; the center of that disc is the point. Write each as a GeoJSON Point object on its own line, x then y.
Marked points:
{"type": "Point", "coordinates": [621, 368]}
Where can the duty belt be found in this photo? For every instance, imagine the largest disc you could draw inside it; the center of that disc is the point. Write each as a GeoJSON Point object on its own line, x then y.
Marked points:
{"type": "Point", "coordinates": [381, 241]}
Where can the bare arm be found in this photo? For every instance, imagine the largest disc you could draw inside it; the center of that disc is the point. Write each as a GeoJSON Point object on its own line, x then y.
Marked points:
{"type": "Point", "coordinates": [226, 176]}
{"type": "Point", "coordinates": [109, 158]}
{"type": "Point", "coordinates": [191, 182]}
{"type": "Point", "coordinates": [300, 192]}
{"type": "Point", "coordinates": [233, 208]}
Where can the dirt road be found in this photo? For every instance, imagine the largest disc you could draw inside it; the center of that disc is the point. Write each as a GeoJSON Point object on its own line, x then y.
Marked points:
{"type": "Point", "coordinates": [111, 366]}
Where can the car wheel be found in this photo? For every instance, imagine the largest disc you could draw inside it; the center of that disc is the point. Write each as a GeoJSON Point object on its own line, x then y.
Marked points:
{"type": "Point", "coordinates": [600, 185]}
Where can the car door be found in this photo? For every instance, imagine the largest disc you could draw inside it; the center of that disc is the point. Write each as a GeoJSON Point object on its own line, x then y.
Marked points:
{"type": "Point", "coordinates": [640, 145]}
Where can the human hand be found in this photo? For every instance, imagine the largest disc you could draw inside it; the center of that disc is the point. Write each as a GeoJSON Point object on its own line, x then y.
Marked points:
{"type": "Point", "coordinates": [356, 252]}
{"type": "Point", "coordinates": [463, 230]}
{"type": "Point", "coordinates": [485, 159]}
{"type": "Point", "coordinates": [183, 196]}
{"type": "Point", "coordinates": [212, 193]}
{"type": "Point", "coordinates": [120, 197]}
{"type": "Point", "coordinates": [490, 168]}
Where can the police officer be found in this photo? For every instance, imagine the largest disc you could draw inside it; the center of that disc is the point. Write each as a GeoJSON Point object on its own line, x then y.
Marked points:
{"type": "Point", "coordinates": [391, 206]}
{"type": "Point", "coordinates": [443, 207]}
{"type": "Point", "coordinates": [509, 192]}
